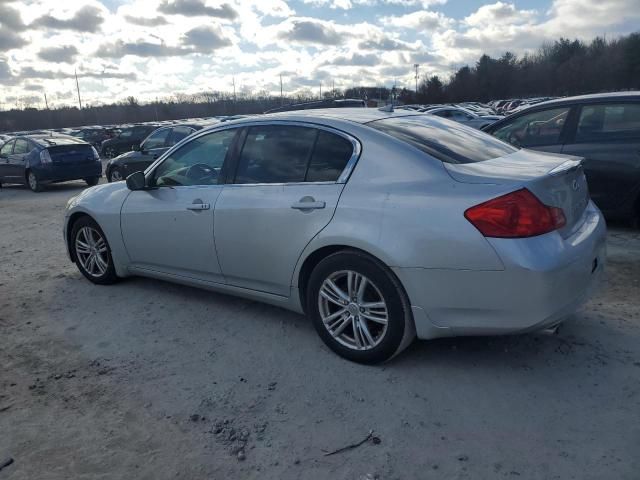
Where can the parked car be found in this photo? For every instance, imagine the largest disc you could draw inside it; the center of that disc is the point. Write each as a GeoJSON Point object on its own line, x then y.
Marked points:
{"type": "Point", "coordinates": [130, 136]}
{"type": "Point", "coordinates": [464, 116]}
{"type": "Point", "coordinates": [602, 128]}
{"type": "Point", "coordinates": [149, 150]}
{"type": "Point", "coordinates": [95, 135]}
{"type": "Point", "coordinates": [378, 225]}
{"type": "Point", "coordinates": [37, 160]}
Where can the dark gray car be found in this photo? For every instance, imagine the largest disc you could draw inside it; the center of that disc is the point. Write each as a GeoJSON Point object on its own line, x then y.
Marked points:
{"type": "Point", "coordinates": [158, 142]}
{"type": "Point", "coordinates": [602, 128]}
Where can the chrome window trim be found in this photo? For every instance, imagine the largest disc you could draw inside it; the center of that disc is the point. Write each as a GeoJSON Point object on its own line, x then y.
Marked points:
{"type": "Point", "coordinates": [343, 178]}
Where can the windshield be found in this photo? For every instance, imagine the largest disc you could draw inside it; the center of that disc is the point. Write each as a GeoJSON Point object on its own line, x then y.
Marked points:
{"type": "Point", "coordinates": [447, 141]}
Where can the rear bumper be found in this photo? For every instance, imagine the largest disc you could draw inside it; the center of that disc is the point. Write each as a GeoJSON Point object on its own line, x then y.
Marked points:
{"type": "Point", "coordinates": [545, 280]}
{"type": "Point", "coordinates": [61, 173]}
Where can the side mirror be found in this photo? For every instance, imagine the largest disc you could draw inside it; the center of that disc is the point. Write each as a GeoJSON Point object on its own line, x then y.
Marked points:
{"type": "Point", "coordinates": [136, 148]}
{"type": "Point", "coordinates": [136, 181]}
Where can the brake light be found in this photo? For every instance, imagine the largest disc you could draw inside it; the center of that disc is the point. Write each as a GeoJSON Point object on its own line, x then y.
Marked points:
{"type": "Point", "coordinates": [517, 214]}
{"type": "Point", "coordinates": [96, 156]}
{"type": "Point", "coordinates": [44, 156]}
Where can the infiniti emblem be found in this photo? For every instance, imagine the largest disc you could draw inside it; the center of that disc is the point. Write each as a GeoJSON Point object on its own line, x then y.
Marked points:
{"type": "Point", "coordinates": [575, 185]}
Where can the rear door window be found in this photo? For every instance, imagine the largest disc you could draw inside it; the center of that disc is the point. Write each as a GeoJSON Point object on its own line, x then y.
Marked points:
{"type": "Point", "coordinates": [275, 154]}
{"type": "Point", "coordinates": [448, 142]}
{"type": "Point", "coordinates": [535, 129]}
{"type": "Point", "coordinates": [608, 122]}
{"type": "Point", "coordinates": [330, 157]}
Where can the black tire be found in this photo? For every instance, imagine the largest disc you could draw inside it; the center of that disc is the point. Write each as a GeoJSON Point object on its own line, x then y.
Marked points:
{"type": "Point", "coordinates": [109, 276]}
{"type": "Point", "coordinates": [33, 182]}
{"type": "Point", "coordinates": [92, 181]}
{"type": "Point", "coordinates": [400, 329]}
{"type": "Point", "coordinates": [115, 175]}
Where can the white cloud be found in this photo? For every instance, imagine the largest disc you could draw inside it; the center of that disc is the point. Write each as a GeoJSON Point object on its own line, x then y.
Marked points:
{"type": "Point", "coordinates": [172, 46]}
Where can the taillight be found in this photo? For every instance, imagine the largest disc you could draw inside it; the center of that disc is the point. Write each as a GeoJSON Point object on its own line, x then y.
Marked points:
{"type": "Point", "coordinates": [96, 156]}
{"type": "Point", "coordinates": [44, 156]}
{"type": "Point", "coordinates": [517, 214]}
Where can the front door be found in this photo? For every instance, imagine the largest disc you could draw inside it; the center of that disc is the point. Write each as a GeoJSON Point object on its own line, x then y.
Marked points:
{"type": "Point", "coordinates": [18, 159]}
{"type": "Point", "coordinates": [285, 191]}
{"type": "Point", "coordinates": [170, 228]}
{"type": "Point", "coordinates": [6, 170]}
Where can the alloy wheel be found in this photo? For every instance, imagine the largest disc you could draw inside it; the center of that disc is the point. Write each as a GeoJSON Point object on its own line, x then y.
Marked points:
{"type": "Point", "coordinates": [353, 310]}
{"type": "Point", "coordinates": [115, 175]}
{"type": "Point", "coordinates": [92, 252]}
{"type": "Point", "coordinates": [33, 181]}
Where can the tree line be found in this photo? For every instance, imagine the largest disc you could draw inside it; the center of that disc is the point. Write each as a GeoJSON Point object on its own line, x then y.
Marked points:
{"type": "Point", "coordinates": [560, 68]}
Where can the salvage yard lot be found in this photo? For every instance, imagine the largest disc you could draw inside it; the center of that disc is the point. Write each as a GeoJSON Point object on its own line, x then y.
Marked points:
{"type": "Point", "coordinates": [146, 379]}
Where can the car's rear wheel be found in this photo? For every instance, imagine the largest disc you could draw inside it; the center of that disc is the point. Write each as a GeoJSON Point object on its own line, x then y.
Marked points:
{"type": "Point", "coordinates": [34, 182]}
{"type": "Point", "coordinates": [115, 175]}
{"type": "Point", "coordinates": [359, 308]}
{"type": "Point", "coordinates": [91, 181]}
{"type": "Point", "coordinates": [91, 252]}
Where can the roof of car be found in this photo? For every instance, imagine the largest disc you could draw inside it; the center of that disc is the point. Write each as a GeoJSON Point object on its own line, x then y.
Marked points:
{"type": "Point", "coordinates": [590, 98]}
{"type": "Point", "coordinates": [55, 139]}
{"type": "Point", "coordinates": [356, 115]}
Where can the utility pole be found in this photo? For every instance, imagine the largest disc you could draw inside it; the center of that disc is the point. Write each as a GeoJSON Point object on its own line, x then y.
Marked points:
{"type": "Point", "coordinates": [281, 97]}
{"type": "Point", "coordinates": [234, 88]}
{"type": "Point", "coordinates": [46, 103]}
{"type": "Point", "coordinates": [416, 66]}
{"type": "Point", "coordinates": [320, 90]}
{"type": "Point", "coordinates": [333, 88]}
{"type": "Point", "coordinates": [78, 88]}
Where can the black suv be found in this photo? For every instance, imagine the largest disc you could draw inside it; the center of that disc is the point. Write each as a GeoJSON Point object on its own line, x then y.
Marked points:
{"type": "Point", "coordinates": [604, 129]}
{"type": "Point", "coordinates": [130, 136]}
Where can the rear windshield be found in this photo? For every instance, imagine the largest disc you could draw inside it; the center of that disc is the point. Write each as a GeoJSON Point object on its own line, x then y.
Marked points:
{"type": "Point", "coordinates": [444, 140]}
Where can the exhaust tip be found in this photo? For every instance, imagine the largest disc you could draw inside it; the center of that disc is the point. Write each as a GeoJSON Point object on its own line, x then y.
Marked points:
{"type": "Point", "coordinates": [553, 330]}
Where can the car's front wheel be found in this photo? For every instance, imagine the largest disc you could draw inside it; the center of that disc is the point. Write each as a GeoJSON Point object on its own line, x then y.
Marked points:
{"type": "Point", "coordinates": [92, 181]}
{"type": "Point", "coordinates": [359, 308]}
{"type": "Point", "coordinates": [91, 252]}
{"type": "Point", "coordinates": [115, 175]}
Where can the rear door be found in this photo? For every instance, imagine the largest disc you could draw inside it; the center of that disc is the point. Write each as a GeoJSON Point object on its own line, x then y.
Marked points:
{"type": "Point", "coordinates": [285, 190]}
{"type": "Point", "coordinates": [608, 137]}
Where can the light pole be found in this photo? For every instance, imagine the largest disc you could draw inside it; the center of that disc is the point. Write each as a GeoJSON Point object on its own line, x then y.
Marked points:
{"type": "Point", "coordinates": [416, 66]}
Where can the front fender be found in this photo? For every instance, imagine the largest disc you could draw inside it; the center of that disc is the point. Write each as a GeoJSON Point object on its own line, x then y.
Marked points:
{"type": "Point", "coordinates": [103, 203]}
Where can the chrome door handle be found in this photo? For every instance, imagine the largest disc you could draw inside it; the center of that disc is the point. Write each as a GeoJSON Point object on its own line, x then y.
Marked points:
{"type": "Point", "coordinates": [198, 205]}
{"type": "Point", "coordinates": [308, 203]}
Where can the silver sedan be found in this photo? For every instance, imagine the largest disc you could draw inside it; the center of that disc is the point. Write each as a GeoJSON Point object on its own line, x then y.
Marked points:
{"type": "Point", "coordinates": [380, 226]}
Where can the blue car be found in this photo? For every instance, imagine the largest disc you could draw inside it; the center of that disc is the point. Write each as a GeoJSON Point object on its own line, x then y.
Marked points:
{"type": "Point", "coordinates": [36, 160]}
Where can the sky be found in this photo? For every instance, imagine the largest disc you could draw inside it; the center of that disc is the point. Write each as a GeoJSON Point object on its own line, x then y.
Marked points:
{"type": "Point", "coordinates": [158, 48]}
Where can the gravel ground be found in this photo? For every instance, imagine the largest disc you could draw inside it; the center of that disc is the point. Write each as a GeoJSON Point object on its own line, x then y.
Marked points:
{"type": "Point", "coordinates": [149, 380]}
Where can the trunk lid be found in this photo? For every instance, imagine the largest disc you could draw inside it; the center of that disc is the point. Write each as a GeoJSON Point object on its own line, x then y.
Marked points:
{"type": "Point", "coordinates": [71, 154]}
{"type": "Point", "coordinates": [557, 180]}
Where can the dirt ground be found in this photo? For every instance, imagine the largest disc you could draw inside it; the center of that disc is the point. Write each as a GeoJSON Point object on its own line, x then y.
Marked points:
{"type": "Point", "coordinates": [149, 380]}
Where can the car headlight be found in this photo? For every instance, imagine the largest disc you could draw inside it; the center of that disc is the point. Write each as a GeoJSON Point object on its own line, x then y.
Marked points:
{"type": "Point", "coordinates": [70, 202]}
